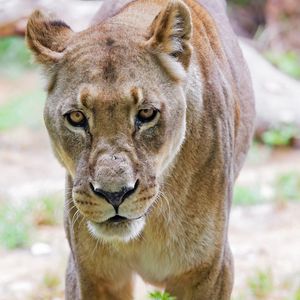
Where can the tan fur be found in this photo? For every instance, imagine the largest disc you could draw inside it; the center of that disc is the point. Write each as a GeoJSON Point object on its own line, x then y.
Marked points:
{"type": "Point", "coordinates": [181, 58]}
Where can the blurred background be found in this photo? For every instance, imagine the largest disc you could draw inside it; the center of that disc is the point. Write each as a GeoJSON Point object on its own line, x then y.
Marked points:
{"type": "Point", "coordinates": [265, 221]}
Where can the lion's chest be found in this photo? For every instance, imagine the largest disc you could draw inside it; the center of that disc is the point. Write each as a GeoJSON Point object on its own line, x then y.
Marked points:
{"type": "Point", "coordinates": [159, 259]}
{"type": "Point", "coordinates": [172, 252]}
{"type": "Point", "coordinates": [155, 263]}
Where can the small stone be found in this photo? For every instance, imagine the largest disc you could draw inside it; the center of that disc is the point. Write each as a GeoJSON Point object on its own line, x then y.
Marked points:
{"type": "Point", "coordinates": [40, 249]}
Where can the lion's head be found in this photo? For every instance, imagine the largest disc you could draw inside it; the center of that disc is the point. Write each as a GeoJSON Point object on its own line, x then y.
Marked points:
{"type": "Point", "coordinates": [116, 110]}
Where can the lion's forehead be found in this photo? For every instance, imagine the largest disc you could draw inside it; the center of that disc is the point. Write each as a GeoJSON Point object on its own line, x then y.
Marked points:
{"type": "Point", "coordinates": [108, 56]}
{"type": "Point", "coordinates": [112, 59]}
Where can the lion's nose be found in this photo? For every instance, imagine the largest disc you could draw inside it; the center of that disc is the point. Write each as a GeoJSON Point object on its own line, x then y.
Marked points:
{"type": "Point", "coordinates": [115, 198]}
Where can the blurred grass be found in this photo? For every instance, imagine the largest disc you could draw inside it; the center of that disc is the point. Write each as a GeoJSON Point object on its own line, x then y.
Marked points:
{"type": "Point", "coordinates": [26, 109]}
{"type": "Point", "coordinates": [15, 226]}
{"type": "Point", "coordinates": [261, 284]}
{"type": "Point", "coordinates": [14, 56]}
{"type": "Point", "coordinates": [297, 295]}
{"type": "Point", "coordinates": [51, 286]}
{"type": "Point", "coordinates": [160, 296]}
{"type": "Point", "coordinates": [47, 210]}
{"type": "Point", "coordinates": [258, 154]}
{"type": "Point", "coordinates": [18, 221]}
{"type": "Point", "coordinates": [282, 135]}
{"type": "Point", "coordinates": [241, 2]}
{"type": "Point", "coordinates": [288, 62]}
{"type": "Point", "coordinates": [247, 195]}
{"type": "Point", "coordinates": [285, 187]}
{"type": "Point", "coordinates": [51, 280]}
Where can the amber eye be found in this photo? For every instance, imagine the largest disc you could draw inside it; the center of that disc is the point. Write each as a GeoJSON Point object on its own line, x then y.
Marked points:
{"type": "Point", "coordinates": [77, 119]}
{"type": "Point", "coordinates": [146, 115]}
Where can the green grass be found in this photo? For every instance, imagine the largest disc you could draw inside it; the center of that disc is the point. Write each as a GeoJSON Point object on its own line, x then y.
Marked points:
{"type": "Point", "coordinates": [261, 284]}
{"type": "Point", "coordinates": [287, 187]}
{"type": "Point", "coordinates": [18, 221]}
{"type": "Point", "coordinates": [15, 226]}
{"type": "Point", "coordinates": [288, 62]}
{"type": "Point", "coordinates": [51, 280]}
{"type": "Point", "coordinates": [51, 286]}
{"type": "Point", "coordinates": [258, 154]}
{"type": "Point", "coordinates": [280, 136]}
{"type": "Point", "coordinates": [23, 110]}
{"type": "Point", "coordinates": [246, 195]}
{"type": "Point", "coordinates": [239, 297]}
{"type": "Point", "coordinates": [14, 56]}
{"type": "Point", "coordinates": [160, 296]}
{"type": "Point", "coordinates": [241, 2]}
{"type": "Point", "coordinates": [47, 210]}
{"type": "Point", "coordinates": [297, 295]}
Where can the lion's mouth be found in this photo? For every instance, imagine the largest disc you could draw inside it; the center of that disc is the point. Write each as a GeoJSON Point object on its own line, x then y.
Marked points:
{"type": "Point", "coordinates": [117, 219]}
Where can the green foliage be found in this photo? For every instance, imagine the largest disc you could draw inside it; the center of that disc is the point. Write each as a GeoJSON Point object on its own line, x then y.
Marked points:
{"type": "Point", "coordinates": [258, 154]}
{"type": "Point", "coordinates": [287, 186]}
{"type": "Point", "coordinates": [14, 226]}
{"type": "Point", "coordinates": [288, 62]}
{"type": "Point", "coordinates": [297, 295]}
{"type": "Point", "coordinates": [160, 296]}
{"type": "Point", "coordinates": [47, 210]}
{"type": "Point", "coordinates": [244, 195]}
{"type": "Point", "coordinates": [261, 284]}
{"type": "Point", "coordinates": [22, 110]}
{"type": "Point", "coordinates": [50, 287]}
{"type": "Point", "coordinates": [239, 297]}
{"type": "Point", "coordinates": [280, 136]}
{"type": "Point", "coordinates": [51, 280]}
{"type": "Point", "coordinates": [17, 221]}
{"type": "Point", "coordinates": [241, 2]}
{"type": "Point", "coordinates": [14, 56]}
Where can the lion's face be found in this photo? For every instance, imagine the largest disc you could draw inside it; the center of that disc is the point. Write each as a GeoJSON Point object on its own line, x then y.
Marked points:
{"type": "Point", "coordinates": [116, 120]}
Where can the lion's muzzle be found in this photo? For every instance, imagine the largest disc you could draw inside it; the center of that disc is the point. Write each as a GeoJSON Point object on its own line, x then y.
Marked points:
{"type": "Point", "coordinates": [115, 198]}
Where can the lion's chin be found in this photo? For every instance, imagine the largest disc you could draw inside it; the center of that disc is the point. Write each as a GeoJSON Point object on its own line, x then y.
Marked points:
{"type": "Point", "coordinates": [121, 232]}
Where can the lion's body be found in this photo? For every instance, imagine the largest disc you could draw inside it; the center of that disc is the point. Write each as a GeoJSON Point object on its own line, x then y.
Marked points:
{"type": "Point", "coordinates": [183, 245]}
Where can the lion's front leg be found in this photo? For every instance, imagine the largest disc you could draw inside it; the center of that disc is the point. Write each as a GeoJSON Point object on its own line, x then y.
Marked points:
{"type": "Point", "coordinates": [88, 286]}
{"type": "Point", "coordinates": [96, 275]}
{"type": "Point", "coordinates": [72, 291]}
{"type": "Point", "coordinates": [208, 283]}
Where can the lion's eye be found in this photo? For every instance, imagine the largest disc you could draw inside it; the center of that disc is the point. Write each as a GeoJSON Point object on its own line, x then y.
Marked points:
{"type": "Point", "coordinates": [146, 115]}
{"type": "Point", "coordinates": [77, 119]}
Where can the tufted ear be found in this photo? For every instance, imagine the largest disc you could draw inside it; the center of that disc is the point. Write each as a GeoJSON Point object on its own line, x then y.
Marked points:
{"type": "Point", "coordinates": [170, 35]}
{"type": "Point", "coordinates": [47, 38]}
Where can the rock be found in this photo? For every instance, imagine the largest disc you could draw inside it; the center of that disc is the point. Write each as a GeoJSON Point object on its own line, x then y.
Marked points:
{"type": "Point", "coordinates": [246, 18]}
{"type": "Point", "coordinates": [277, 95]}
{"type": "Point", "coordinates": [14, 13]}
{"type": "Point", "coordinates": [40, 249]}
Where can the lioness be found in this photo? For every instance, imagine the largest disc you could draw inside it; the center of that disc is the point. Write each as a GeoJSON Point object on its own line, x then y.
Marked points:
{"type": "Point", "coordinates": [150, 111]}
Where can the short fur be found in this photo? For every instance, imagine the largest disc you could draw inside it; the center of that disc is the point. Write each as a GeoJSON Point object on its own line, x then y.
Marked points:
{"type": "Point", "coordinates": [182, 59]}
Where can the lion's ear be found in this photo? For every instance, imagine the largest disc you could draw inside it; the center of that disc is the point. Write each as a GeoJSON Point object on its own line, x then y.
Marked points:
{"type": "Point", "coordinates": [170, 38]}
{"type": "Point", "coordinates": [47, 38]}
